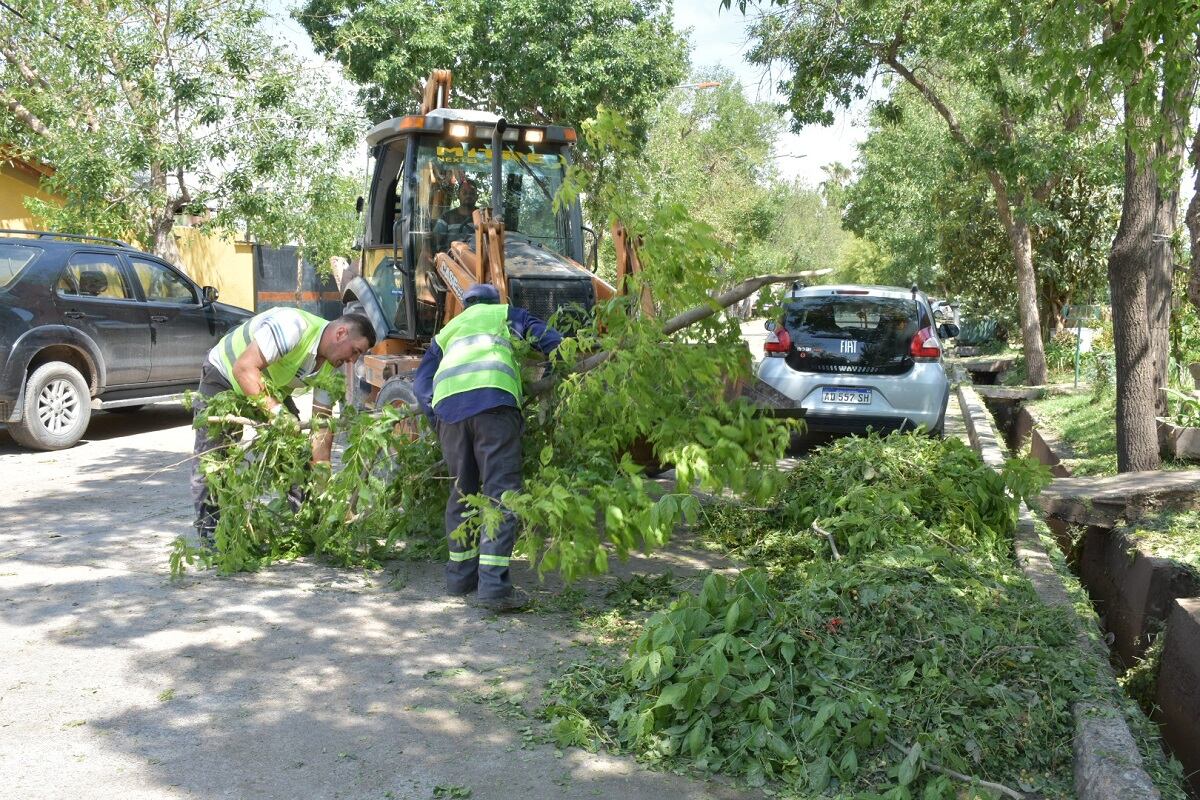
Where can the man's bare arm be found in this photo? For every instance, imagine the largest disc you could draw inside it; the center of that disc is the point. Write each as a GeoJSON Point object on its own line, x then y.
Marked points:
{"type": "Point", "coordinates": [322, 437]}
{"type": "Point", "coordinates": [248, 372]}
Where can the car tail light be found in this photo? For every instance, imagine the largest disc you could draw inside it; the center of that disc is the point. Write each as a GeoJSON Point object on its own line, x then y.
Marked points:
{"type": "Point", "coordinates": [925, 345]}
{"type": "Point", "coordinates": [778, 342]}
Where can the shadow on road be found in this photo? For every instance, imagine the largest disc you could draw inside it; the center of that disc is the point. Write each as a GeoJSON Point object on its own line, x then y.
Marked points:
{"type": "Point", "coordinates": [302, 680]}
{"type": "Point", "coordinates": [308, 681]}
{"type": "Point", "coordinates": [107, 425]}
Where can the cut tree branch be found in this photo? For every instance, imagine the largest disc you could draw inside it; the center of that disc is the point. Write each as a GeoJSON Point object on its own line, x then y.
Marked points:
{"type": "Point", "coordinates": [27, 118]}
{"type": "Point", "coordinates": [970, 780]}
{"type": "Point", "coordinates": [681, 321]}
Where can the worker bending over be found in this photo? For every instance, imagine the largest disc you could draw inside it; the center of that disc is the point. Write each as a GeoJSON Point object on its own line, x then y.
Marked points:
{"type": "Point", "coordinates": [469, 385]}
{"type": "Point", "coordinates": [284, 346]}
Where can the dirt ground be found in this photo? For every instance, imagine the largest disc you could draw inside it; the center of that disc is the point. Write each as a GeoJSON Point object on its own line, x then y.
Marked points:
{"type": "Point", "coordinates": [299, 681]}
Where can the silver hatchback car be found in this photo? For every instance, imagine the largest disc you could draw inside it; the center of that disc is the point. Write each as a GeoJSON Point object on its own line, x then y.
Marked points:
{"type": "Point", "coordinates": [858, 357]}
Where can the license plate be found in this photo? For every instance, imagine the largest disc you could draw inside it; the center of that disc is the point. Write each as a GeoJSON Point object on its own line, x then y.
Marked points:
{"type": "Point", "coordinates": [852, 396]}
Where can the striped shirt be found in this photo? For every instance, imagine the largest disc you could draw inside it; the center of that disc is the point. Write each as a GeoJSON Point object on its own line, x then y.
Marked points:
{"type": "Point", "coordinates": [276, 331]}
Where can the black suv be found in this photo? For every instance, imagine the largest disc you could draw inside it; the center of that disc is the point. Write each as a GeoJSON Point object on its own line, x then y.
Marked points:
{"type": "Point", "coordinates": [89, 323]}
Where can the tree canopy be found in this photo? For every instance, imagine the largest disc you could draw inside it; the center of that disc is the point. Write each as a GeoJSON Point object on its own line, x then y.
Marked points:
{"type": "Point", "coordinates": [148, 110]}
{"type": "Point", "coordinates": [534, 60]}
{"type": "Point", "coordinates": [936, 220]}
{"type": "Point", "coordinates": [709, 152]}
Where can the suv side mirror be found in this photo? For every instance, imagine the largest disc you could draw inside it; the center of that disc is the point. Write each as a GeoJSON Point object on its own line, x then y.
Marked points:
{"type": "Point", "coordinates": [209, 295]}
{"type": "Point", "coordinates": [770, 324]}
{"type": "Point", "coordinates": [948, 330]}
{"type": "Point", "coordinates": [358, 205]}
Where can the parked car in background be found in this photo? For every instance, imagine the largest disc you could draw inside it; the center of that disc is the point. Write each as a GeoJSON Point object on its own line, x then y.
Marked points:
{"type": "Point", "coordinates": [858, 357]}
{"type": "Point", "coordinates": [89, 323]}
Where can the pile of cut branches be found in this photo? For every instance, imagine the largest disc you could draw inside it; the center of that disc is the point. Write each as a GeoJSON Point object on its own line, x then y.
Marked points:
{"type": "Point", "coordinates": [880, 642]}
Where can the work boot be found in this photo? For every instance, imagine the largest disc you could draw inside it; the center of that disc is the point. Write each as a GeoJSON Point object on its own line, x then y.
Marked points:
{"type": "Point", "coordinates": [206, 531]}
{"type": "Point", "coordinates": [295, 498]}
{"type": "Point", "coordinates": [516, 601]}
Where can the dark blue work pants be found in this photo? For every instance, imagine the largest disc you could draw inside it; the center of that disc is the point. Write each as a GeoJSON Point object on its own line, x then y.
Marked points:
{"type": "Point", "coordinates": [483, 454]}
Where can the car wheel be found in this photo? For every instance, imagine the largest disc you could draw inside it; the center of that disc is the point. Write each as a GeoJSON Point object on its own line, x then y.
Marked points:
{"type": "Point", "coordinates": [56, 409]}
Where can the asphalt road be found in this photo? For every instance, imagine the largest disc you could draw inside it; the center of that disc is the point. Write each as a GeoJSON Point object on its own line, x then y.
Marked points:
{"type": "Point", "coordinates": [301, 681]}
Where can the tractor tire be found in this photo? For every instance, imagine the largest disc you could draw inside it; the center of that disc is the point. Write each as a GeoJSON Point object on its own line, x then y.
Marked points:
{"type": "Point", "coordinates": [398, 391]}
{"type": "Point", "coordinates": [56, 408]}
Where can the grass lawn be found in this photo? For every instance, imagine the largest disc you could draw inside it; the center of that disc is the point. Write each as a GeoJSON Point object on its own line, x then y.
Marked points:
{"type": "Point", "coordinates": [1087, 425]}
{"type": "Point", "coordinates": [1173, 535]}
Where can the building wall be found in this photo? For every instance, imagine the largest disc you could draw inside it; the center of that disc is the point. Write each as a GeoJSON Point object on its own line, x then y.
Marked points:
{"type": "Point", "coordinates": [211, 260]}
{"type": "Point", "coordinates": [15, 185]}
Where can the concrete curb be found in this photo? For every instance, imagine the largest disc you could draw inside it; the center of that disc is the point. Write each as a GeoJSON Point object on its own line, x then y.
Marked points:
{"type": "Point", "coordinates": [1108, 765]}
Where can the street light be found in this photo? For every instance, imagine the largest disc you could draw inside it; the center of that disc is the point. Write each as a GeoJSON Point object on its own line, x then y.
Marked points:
{"type": "Point", "coordinates": [701, 85]}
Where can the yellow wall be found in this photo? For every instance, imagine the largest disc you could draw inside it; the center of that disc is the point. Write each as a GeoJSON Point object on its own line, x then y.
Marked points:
{"type": "Point", "coordinates": [15, 185]}
{"type": "Point", "coordinates": [211, 260]}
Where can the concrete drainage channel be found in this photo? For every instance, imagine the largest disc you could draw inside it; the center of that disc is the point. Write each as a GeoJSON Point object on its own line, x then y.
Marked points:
{"type": "Point", "coordinates": [1107, 763]}
{"type": "Point", "coordinates": [1137, 592]}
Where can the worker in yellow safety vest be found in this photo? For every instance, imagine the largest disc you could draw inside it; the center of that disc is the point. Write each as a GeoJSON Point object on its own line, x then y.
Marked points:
{"type": "Point", "coordinates": [274, 351]}
{"type": "Point", "coordinates": [469, 385]}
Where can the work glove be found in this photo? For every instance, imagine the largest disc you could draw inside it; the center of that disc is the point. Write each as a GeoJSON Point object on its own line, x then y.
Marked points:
{"type": "Point", "coordinates": [295, 498]}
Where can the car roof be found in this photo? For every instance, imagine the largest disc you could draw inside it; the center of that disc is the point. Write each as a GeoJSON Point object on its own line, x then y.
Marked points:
{"type": "Point", "coordinates": [822, 290]}
{"type": "Point", "coordinates": [60, 241]}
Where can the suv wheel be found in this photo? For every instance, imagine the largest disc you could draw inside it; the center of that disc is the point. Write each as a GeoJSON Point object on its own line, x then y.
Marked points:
{"type": "Point", "coordinates": [56, 410]}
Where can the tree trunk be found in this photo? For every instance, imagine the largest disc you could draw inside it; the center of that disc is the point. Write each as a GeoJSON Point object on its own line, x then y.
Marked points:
{"type": "Point", "coordinates": [1129, 266]}
{"type": "Point", "coordinates": [1159, 286]}
{"type": "Point", "coordinates": [162, 224]}
{"type": "Point", "coordinates": [162, 237]}
{"type": "Point", "coordinates": [1171, 149]}
{"type": "Point", "coordinates": [1020, 241]}
{"type": "Point", "coordinates": [1193, 225]}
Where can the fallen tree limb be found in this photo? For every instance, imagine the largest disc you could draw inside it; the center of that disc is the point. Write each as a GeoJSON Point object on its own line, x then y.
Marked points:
{"type": "Point", "coordinates": [829, 538]}
{"type": "Point", "coordinates": [234, 419]}
{"type": "Point", "coordinates": [970, 780]}
{"type": "Point", "coordinates": [680, 321]}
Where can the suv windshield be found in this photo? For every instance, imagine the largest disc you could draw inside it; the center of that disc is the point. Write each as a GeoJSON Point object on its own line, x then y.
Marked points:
{"type": "Point", "coordinates": [852, 333]}
{"type": "Point", "coordinates": [13, 259]}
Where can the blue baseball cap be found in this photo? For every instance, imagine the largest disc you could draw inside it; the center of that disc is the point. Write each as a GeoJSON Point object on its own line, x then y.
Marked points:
{"type": "Point", "coordinates": [481, 293]}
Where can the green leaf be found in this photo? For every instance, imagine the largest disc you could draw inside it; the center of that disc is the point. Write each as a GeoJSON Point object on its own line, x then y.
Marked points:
{"type": "Point", "coordinates": [743, 693]}
{"type": "Point", "coordinates": [910, 766]}
{"type": "Point", "coordinates": [672, 695]}
{"type": "Point", "coordinates": [818, 721]}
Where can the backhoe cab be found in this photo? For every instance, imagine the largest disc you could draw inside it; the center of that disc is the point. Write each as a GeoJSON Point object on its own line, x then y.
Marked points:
{"type": "Point", "coordinates": [459, 197]}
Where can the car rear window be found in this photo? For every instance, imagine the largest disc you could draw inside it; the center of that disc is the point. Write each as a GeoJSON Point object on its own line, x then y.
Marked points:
{"type": "Point", "coordinates": [852, 333]}
{"type": "Point", "coordinates": [14, 258]}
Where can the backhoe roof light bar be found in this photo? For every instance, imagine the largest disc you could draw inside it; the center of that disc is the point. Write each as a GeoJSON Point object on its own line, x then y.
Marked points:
{"type": "Point", "coordinates": [463, 129]}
